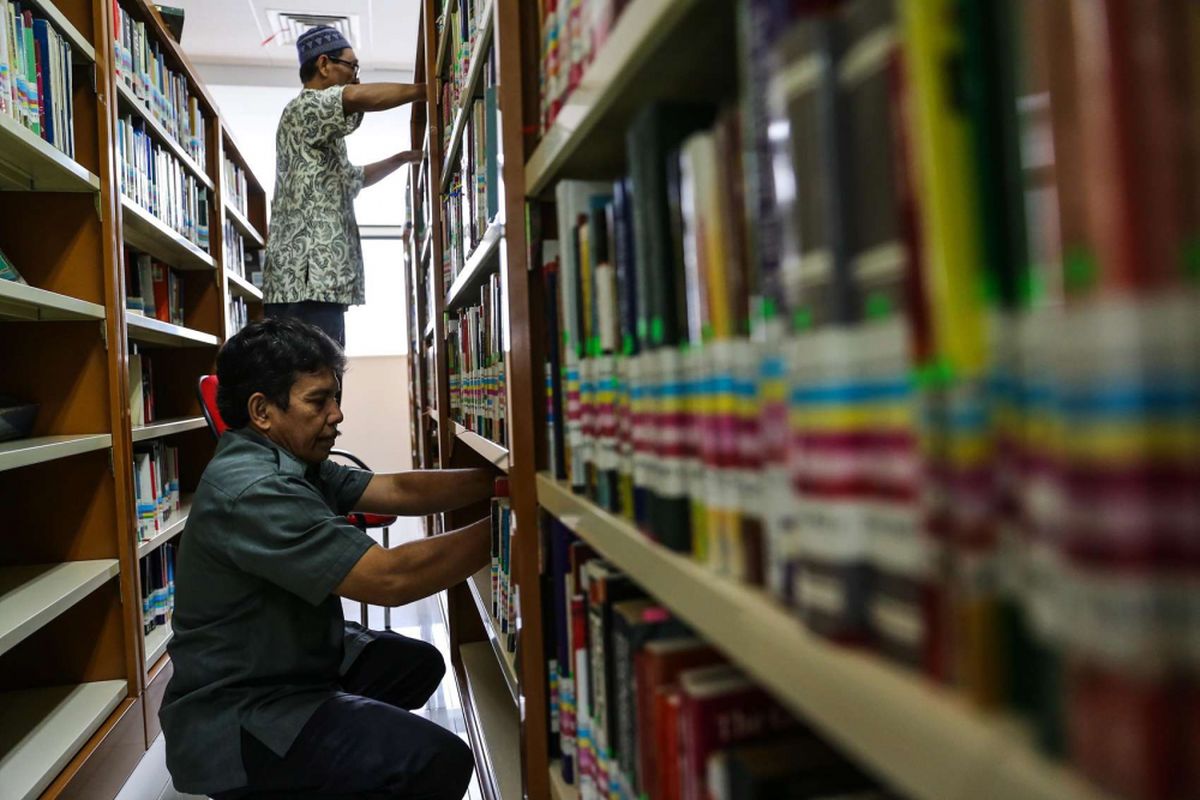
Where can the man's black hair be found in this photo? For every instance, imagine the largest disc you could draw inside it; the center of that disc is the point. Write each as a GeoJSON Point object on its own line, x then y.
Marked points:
{"type": "Point", "coordinates": [308, 70]}
{"type": "Point", "coordinates": [266, 356]}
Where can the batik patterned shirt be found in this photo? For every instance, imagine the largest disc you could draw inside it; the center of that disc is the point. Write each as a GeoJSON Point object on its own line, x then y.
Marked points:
{"type": "Point", "coordinates": [313, 252]}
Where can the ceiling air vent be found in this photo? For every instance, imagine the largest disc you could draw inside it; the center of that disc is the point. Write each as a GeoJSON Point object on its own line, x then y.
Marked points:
{"type": "Point", "coordinates": [287, 26]}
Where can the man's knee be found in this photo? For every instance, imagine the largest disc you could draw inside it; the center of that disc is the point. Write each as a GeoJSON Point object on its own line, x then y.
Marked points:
{"type": "Point", "coordinates": [456, 767]}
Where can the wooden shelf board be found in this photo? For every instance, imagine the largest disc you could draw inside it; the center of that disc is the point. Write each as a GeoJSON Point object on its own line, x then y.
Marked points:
{"type": "Point", "coordinates": [47, 9]}
{"type": "Point", "coordinates": [658, 49]}
{"type": "Point", "coordinates": [483, 259]}
{"type": "Point", "coordinates": [924, 739]}
{"type": "Point", "coordinates": [150, 234]}
{"type": "Point", "coordinates": [243, 288]}
{"type": "Point", "coordinates": [167, 427]}
{"type": "Point", "coordinates": [559, 788]}
{"type": "Point", "coordinates": [39, 449]}
{"type": "Point", "coordinates": [499, 727]}
{"type": "Point", "coordinates": [174, 528]}
{"type": "Point", "coordinates": [21, 303]}
{"type": "Point", "coordinates": [245, 227]}
{"type": "Point", "coordinates": [154, 332]}
{"type": "Point", "coordinates": [156, 644]}
{"type": "Point", "coordinates": [481, 590]}
{"type": "Point", "coordinates": [432, 414]}
{"type": "Point", "coordinates": [495, 454]}
{"type": "Point", "coordinates": [29, 163]}
{"type": "Point", "coordinates": [474, 73]}
{"type": "Point", "coordinates": [129, 99]}
{"type": "Point", "coordinates": [429, 329]}
{"type": "Point", "coordinates": [42, 729]}
{"type": "Point", "coordinates": [32, 596]}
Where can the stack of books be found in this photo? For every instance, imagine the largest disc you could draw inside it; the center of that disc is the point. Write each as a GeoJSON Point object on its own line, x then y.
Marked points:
{"type": "Point", "coordinates": [156, 487]}
{"type": "Point", "coordinates": [153, 178]}
{"type": "Point", "coordinates": [473, 201]}
{"type": "Point", "coordinates": [37, 85]}
{"type": "Point", "coordinates": [475, 354]}
{"type": "Point", "coordinates": [641, 707]}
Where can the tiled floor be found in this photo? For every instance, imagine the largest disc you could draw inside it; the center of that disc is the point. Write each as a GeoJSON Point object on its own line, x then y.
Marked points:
{"type": "Point", "coordinates": [421, 620]}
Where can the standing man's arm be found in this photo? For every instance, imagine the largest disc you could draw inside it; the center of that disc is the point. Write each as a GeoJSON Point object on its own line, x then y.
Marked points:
{"type": "Point", "coordinates": [373, 173]}
{"type": "Point", "coordinates": [422, 492]}
{"type": "Point", "coordinates": [363, 97]}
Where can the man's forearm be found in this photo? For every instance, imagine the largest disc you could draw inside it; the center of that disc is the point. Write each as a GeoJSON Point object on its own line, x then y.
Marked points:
{"type": "Point", "coordinates": [365, 97]}
{"type": "Point", "coordinates": [422, 492]}
{"type": "Point", "coordinates": [428, 566]}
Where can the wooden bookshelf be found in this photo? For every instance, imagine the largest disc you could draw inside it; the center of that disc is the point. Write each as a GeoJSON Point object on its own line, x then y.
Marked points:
{"type": "Point", "coordinates": [481, 263]}
{"type": "Point", "coordinates": [480, 585]}
{"type": "Point", "coordinates": [244, 226]}
{"type": "Point", "coordinates": [27, 163]}
{"type": "Point", "coordinates": [242, 287]}
{"type": "Point", "coordinates": [167, 427]}
{"type": "Point", "coordinates": [156, 644]}
{"type": "Point", "coordinates": [645, 58]}
{"type": "Point", "coordinates": [947, 748]}
{"type": "Point", "coordinates": [31, 596]}
{"type": "Point", "coordinates": [559, 788]}
{"type": "Point", "coordinates": [493, 453]}
{"type": "Point", "coordinates": [483, 41]}
{"type": "Point", "coordinates": [20, 303]}
{"type": "Point", "coordinates": [156, 332]}
{"type": "Point", "coordinates": [42, 729]}
{"type": "Point", "coordinates": [492, 722]}
{"type": "Point", "coordinates": [487, 669]}
{"type": "Point", "coordinates": [151, 235]}
{"type": "Point", "coordinates": [77, 724]}
{"type": "Point", "coordinates": [40, 449]}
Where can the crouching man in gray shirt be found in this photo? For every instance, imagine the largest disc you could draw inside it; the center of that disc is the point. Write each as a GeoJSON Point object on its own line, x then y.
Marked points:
{"type": "Point", "coordinates": [270, 697]}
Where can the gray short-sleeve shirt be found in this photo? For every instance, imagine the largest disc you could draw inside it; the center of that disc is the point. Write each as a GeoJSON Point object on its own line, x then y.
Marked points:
{"type": "Point", "coordinates": [259, 635]}
{"type": "Point", "coordinates": [313, 251]}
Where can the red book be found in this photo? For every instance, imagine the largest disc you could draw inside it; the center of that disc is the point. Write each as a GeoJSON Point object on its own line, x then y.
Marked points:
{"type": "Point", "coordinates": [162, 292]}
{"type": "Point", "coordinates": [666, 710]}
{"type": "Point", "coordinates": [721, 707]}
{"type": "Point", "coordinates": [656, 665]}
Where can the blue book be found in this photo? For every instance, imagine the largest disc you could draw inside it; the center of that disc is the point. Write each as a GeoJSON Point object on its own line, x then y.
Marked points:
{"type": "Point", "coordinates": [42, 35]}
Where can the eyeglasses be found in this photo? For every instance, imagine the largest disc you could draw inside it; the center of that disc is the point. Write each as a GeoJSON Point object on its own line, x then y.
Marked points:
{"type": "Point", "coordinates": [354, 65]}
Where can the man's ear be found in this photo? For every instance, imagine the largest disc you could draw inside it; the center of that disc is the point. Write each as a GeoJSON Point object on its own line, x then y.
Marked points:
{"type": "Point", "coordinates": [258, 407]}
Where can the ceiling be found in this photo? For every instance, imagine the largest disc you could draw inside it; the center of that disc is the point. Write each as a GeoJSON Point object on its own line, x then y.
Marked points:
{"type": "Point", "coordinates": [225, 38]}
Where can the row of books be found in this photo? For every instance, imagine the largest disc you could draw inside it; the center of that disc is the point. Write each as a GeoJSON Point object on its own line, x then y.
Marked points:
{"type": "Point", "coordinates": [153, 178]}
{"type": "Point", "coordinates": [37, 84]}
{"type": "Point", "coordinates": [473, 199]}
{"type": "Point", "coordinates": [236, 186]}
{"type": "Point", "coordinates": [475, 364]}
{"type": "Point", "coordinates": [139, 63]}
{"type": "Point", "coordinates": [900, 363]}
{"type": "Point", "coordinates": [241, 258]}
{"type": "Point", "coordinates": [156, 487]}
{"type": "Point", "coordinates": [152, 289]}
{"type": "Point", "coordinates": [642, 708]}
{"type": "Point", "coordinates": [572, 32]}
{"type": "Point", "coordinates": [142, 406]}
{"type": "Point", "coordinates": [463, 23]}
{"type": "Point", "coordinates": [505, 592]}
{"type": "Point", "coordinates": [239, 314]}
{"type": "Point", "coordinates": [157, 572]}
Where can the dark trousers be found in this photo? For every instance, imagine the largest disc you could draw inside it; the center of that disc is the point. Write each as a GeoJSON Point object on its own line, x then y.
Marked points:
{"type": "Point", "coordinates": [329, 317]}
{"type": "Point", "coordinates": [364, 744]}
